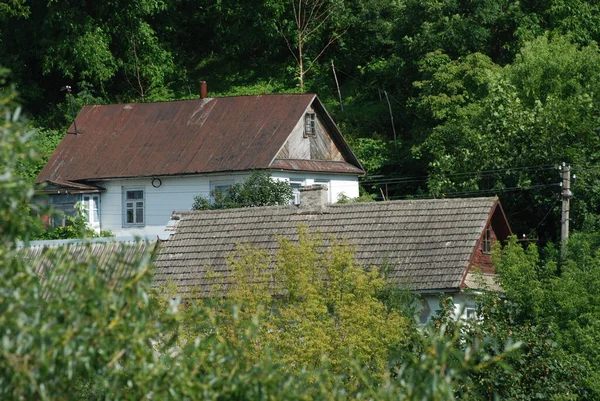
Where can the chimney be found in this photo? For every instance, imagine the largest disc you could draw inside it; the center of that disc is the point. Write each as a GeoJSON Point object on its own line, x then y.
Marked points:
{"type": "Point", "coordinates": [203, 90]}
{"type": "Point", "coordinates": [313, 198]}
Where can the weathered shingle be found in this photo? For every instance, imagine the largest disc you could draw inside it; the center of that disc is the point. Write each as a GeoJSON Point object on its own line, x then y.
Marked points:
{"type": "Point", "coordinates": [427, 243]}
{"type": "Point", "coordinates": [113, 260]}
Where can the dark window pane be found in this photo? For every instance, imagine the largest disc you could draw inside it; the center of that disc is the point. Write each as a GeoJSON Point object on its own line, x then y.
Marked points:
{"type": "Point", "coordinates": [139, 215]}
{"type": "Point", "coordinates": [131, 195]}
{"type": "Point", "coordinates": [130, 216]}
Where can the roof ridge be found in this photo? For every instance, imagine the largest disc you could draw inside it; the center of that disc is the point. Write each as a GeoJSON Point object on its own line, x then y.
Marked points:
{"type": "Point", "coordinates": [198, 98]}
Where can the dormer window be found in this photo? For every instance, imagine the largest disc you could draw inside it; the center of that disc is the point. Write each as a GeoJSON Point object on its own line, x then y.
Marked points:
{"type": "Point", "coordinates": [486, 241]}
{"type": "Point", "coordinates": [309, 125]}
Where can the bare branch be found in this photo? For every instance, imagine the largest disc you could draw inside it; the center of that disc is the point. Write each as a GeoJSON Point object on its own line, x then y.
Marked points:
{"type": "Point", "coordinates": [287, 42]}
{"type": "Point", "coordinates": [330, 42]}
{"type": "Point", "coordinates": [137, 70]}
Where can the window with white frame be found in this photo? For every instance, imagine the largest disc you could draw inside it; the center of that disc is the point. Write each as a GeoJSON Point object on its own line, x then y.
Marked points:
{"type": "Point", "coordinates": [295, 192]}
{"type": "Point", "coordinates": [309, 125]}
{"type": "Point", "coordinates": [219, 189]}
{"type": "Point", "coordinates": [486, 241]}
{"type": "Point", "coordinates": [134, 210]}
{"type": "Point", "coordinates": [90, 208]}
{"type": "Point", "coordinates": [471, 313]}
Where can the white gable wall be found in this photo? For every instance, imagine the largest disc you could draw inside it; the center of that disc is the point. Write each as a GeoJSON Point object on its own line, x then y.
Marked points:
{"type": "Point", "coordinates": [336, 184]}
{"type": "Point", "coordinates": [464, 306]}
{"type": "Point", "coordinates": [177, 194]}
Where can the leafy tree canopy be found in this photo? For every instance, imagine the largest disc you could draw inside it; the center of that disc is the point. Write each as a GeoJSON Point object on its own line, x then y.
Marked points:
{"type": "Point", "coordinates": [516, 122]}
{"type": "Point", "coordinates": [259, 189]}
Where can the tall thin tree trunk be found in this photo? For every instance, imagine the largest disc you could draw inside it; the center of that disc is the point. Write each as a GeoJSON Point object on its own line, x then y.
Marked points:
{"type": "Point", "coordinates": [300, 62]}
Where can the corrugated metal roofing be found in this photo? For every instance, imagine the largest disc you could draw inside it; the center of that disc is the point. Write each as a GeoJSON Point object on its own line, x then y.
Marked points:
{"type": "Point", "coordinates": [426, 243]}
{"type": "Point", "coordinates": [52, 187]}
{"type": "Point", "coordinates": [326, 166]}
{"type": "Point", "coordinates": [180, 137]}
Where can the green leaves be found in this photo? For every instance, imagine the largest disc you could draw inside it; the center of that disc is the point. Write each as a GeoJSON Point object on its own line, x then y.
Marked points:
{"type": "Point", "coordinates": [259, 189]}
{"type": "Point", "coordinates": [533, 113]}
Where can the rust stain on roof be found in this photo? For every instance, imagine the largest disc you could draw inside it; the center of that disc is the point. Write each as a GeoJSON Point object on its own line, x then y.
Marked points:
{"type": "Point", "coordinates": [180, 137]}
{"type": "Point", "coordinates": [328, 166]}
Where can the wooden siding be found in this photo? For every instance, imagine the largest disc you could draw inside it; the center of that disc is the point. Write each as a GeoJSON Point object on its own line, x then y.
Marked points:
{"type": "Point", "coordinates": [319, 147]}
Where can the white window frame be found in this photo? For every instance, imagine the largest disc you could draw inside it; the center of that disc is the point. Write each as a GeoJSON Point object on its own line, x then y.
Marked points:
{"type": "Point", "coordinates": [214, 185]}
{"type": "Point", "coordinates": [134, 207]}
{"type": "Point", "coordinates": [471, 313]}
{"type": "Point", "coordinates": [91, 208]}
{"type": "Point", "coordinates": [296, 185]}
{"type": "Point", "coordinates": [486, 240]}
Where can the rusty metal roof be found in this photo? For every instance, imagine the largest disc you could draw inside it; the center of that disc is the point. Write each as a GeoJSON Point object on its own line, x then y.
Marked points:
{"type": "Point", "coordinates": [326, 166]}
{"type": "Point", "coordinates": [56, 187]}
{"type": "Point", "coordinates": [180, 137]}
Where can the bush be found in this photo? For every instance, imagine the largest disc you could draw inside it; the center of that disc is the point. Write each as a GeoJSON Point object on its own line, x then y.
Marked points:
{"type": "Point", "coordinates": [259, 189]}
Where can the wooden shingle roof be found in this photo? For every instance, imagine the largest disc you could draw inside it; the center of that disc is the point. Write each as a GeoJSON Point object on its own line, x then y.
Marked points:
{"type": "Point", "coordinates": [427, 244]}
{"type": "Point", "coordinates": [114, 260]}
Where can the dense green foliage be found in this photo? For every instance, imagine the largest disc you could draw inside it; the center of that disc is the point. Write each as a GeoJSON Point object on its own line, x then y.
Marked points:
{"type": "Point", "coordinates": [75, 227]}
{"type": "Point", "coordinates": [259, 189]}
{"type": "Point", "coordinates": [558, 299]}
{"type": "Point", "coordinates": [76, 333]}
{"type": "Point", "coordinates": [433, 92]}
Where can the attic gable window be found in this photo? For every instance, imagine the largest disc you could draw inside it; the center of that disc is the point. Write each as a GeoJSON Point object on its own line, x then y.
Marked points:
{"type": "Point", "coordinates": [309, 125]}
{"type": "Point", "coordinates": [486, 241]}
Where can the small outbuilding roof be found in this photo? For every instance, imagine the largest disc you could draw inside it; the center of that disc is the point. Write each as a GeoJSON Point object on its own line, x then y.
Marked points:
{"type": "Point", "coordinates": [426, 244]}
{"type": "Point", "coordinates": [114, 259]}
{"type": "Point", "coordinates": [188, 137]}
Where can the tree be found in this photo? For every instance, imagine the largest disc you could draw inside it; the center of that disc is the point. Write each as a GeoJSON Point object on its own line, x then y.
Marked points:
{"type": "Point", "coordinates": [259, 189]}
{"type": "Point", "coordinates": [316, 23]}
{"type": "Point", "coordinates": [327, 314]}
{"type": "Point", "coordinates": [85, 329]}
{"type": "Point", "coordinates": [551, 305]}
{"type": "Point", "coordinates": [516, 123]}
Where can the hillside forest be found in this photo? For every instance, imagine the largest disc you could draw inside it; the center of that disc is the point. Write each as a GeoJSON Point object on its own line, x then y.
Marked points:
{"type": "Point", "coordinates": [437, 98]}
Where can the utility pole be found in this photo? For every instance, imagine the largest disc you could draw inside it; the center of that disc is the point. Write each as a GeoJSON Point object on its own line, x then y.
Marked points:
{"type": "Point", "coordinates": [566, 197]}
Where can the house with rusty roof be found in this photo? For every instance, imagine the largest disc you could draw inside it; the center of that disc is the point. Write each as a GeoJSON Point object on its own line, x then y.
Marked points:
{"type": "Point", "coordinates": [429, 246]}
{"type": "Point", "coordinates": [131, 165]}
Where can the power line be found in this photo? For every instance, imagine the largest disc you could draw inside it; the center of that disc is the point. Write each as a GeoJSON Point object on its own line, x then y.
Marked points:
{"type": "Point", "coordinates": [545, 216]}
{"type": "Point", "coordinates": [481, 173]}
{"type": "Point", "coordinates": [475, 192]}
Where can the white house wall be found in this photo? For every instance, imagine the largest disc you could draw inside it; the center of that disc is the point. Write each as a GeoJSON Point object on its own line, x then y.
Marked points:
{"type": "Point", "coordinates": [177, 194]}
{"type": "Point", "coordinates": [463, 304]}
{"type": "Point", "coordinates": [336, 184]}
{"type": "Point", "coordinates": [174, 194]}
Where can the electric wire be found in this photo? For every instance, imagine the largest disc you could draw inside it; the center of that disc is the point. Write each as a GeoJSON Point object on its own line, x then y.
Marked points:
{"type": "Point", "coordinates": [545, 216]}
{"type": "Point", "coordinates": [482, 173]}
{"type": "Point", "coordinates": [474, 192]}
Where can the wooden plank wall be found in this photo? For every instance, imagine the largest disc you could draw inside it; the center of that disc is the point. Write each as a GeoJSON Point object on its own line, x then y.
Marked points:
{"type": "Point", "coordinates": [319, 147]}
